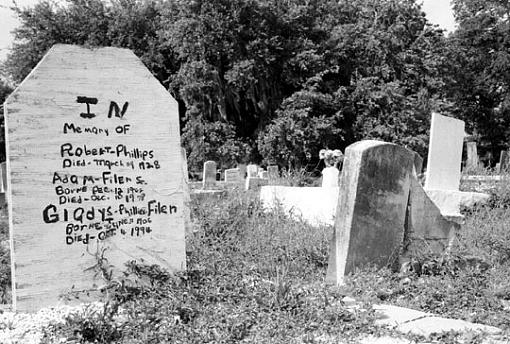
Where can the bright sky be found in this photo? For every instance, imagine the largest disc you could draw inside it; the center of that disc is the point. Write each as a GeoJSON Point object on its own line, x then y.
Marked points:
{"type": "Point", "coordinates": [438, 12]}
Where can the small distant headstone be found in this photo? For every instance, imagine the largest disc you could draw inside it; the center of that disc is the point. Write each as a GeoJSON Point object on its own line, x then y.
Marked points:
{"type": "Point", "coordinates": [233, 176]}
{"type": "Point", "coordinates": [263, 174]}
{"type": "Point", "coordinates": [242, 170]}
{"type": "Point", "coordinates": [255, 183]}
{"type": "Point", "coordinates": [3, 181]}
{"type": "Point", "coordinates": [445, 153]}
{"type": "Point", "coordinates": [95, 173]}
{"type": "Point", "coordinates": [472, 155]}
{"type": "Point", "coordinates": [252, 171]}
{"type": "Point", "coordinates": [209, 178]}
{"type": "Point", "coordinates": [272, 173]}
{"type": "Point", "coordinates": [503, 161]}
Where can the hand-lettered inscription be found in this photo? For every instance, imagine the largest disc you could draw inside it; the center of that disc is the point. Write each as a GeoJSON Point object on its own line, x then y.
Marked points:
{"type": "Point", "coordinates": [94, 167]}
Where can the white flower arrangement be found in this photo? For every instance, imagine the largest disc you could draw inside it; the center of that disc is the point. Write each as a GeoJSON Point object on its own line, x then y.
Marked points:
{"type": "Point", "coordinates": [331, 157]}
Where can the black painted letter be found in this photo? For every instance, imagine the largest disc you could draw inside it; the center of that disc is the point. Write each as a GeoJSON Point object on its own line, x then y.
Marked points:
{"type": "Point", "coordinates": [88, 101]}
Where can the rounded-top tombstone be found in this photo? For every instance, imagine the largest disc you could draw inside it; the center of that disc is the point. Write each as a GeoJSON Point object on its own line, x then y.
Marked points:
{"type": "Point", "coordinates": [94, 173]}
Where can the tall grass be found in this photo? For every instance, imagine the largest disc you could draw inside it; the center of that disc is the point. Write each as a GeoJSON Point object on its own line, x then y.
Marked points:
{"type": "Point", "coordinates": [257, 277]}
{"type": "Point", "coordinates": [252, 276]}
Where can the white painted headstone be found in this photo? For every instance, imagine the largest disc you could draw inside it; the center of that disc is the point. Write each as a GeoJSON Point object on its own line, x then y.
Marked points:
{"type": "Point", "coordinates": [233, 175]}
{"type": "Point", "coordinates": [252, 170]}
{"type": "Point", "coordinates": [95, 171]}
{"type": "Point", "coordinates": [445, 153]}
{"type": "Point", "coordinates": [330, 177]}
{"type": "Point", "coordinates": [209, 177]}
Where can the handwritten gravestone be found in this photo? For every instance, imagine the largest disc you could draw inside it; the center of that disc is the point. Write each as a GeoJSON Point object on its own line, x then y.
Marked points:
{"type": "Point", "coordinates": [472, 155]}
{"type": "Point", "coordinates": [209, 177]}
{"type": "Point", "coordinates": [233, 175]}
{"type": "Point", "coordinates": [445, 153]}
{"type": "Point", "coordinates": [95, 171]}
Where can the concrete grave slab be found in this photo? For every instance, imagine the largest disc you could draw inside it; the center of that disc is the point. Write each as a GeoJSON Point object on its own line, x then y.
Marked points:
{"type": "Point", "coordinates": [428, 325]}
{"type": "Point", "coordinates": [94, 171]}
{"type": "Point", "coordinates": [445, 153]}
{"type": "Point", "coordinates": [315, 205]}
{"type": "Point", "coordinates": [389, 315]}
{"type": "Point", "coordinates": [450, 201]}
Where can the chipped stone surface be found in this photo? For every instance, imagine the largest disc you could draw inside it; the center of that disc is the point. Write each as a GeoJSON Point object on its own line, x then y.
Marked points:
{"type": "Point", "coordinates": [450, 201]}
{"type": "Point", "coordinates": [427, 230]}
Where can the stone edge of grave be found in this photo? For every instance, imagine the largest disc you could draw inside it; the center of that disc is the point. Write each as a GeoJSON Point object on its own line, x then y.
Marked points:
{"type": "Point", "coordinates": [411, 321]}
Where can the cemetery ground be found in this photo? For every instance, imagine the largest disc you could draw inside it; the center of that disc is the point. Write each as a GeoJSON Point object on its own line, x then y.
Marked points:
{"type": "Point", "coordinates": [258, 277]}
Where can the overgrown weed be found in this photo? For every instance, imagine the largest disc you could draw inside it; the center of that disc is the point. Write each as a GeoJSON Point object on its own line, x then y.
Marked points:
{"type": "Point", "coordinates": [252, 276]}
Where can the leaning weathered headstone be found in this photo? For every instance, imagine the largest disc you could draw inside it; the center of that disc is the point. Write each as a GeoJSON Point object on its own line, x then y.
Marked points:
{"type": "Point", "coordinates": [472, 155]}
{"type": "Point", "coordinates": [445, 153]}
{"type": "Point", "coordinates": [209, 178]}
{"type": "Point", "coordinates": [383, 212]}
{"type": "Point", "coordinates": [503, 161]}
{"type": "Point", "coordinates": [95, 173]}
{"type": "Point", "coordinates": [233, 176]}
{"type": "Point", "coordinates": [272, 173]}
{"type": "Point", "coordinates": [371, 211]}
{"type": "Point", "coordinates": [252, 171]}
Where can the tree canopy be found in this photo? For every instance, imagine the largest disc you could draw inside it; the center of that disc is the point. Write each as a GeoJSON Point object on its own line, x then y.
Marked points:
{"type": "Point", "coordinates": [275, 81]}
